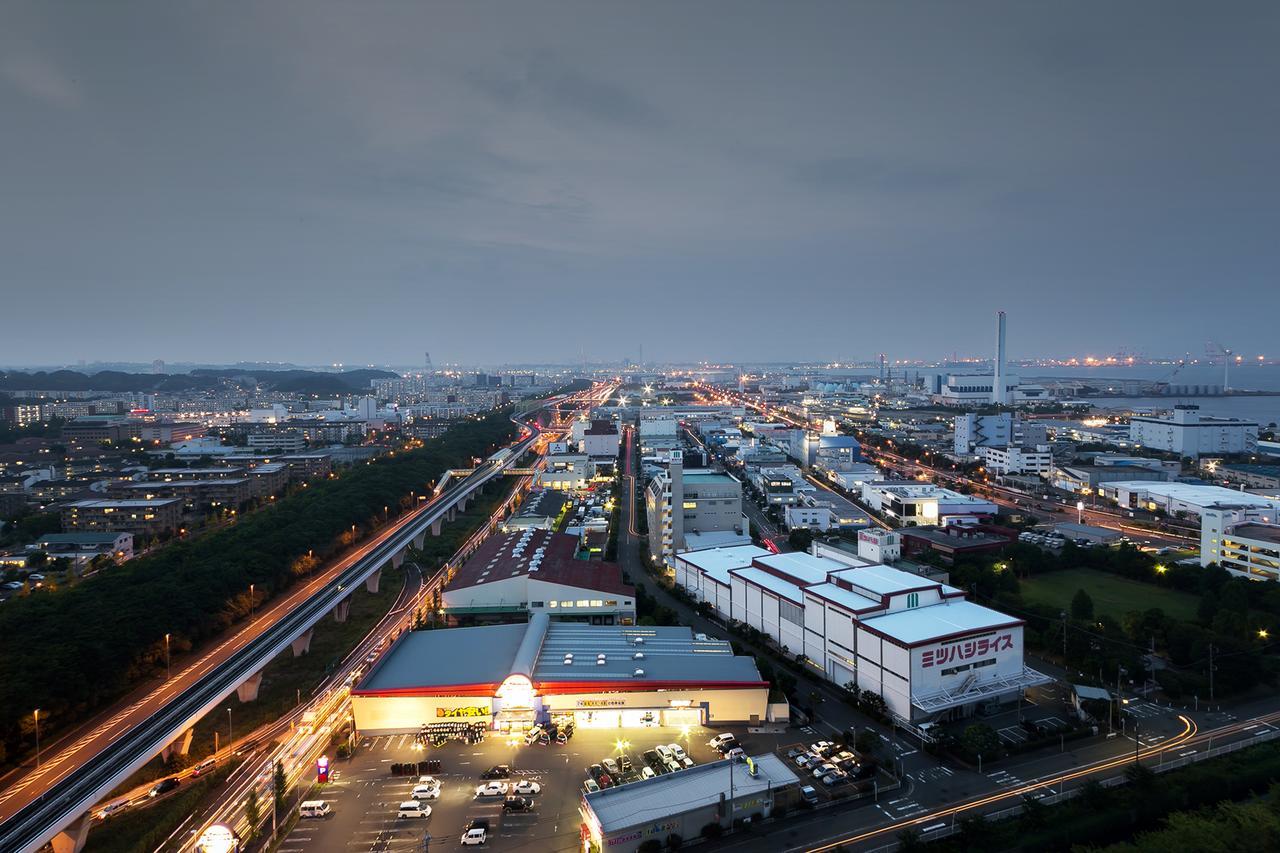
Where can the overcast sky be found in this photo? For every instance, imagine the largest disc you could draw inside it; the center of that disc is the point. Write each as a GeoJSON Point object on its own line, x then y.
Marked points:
{"type": "Point", "coordinates": [359, 182]}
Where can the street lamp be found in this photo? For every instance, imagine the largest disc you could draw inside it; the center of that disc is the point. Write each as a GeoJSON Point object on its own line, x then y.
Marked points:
{"type": "Point", "coordinates": [1079, 512]}
{"type": "Point", "coordinates": [37, 716]}
{"type": "Point", "coordinates": [251, 601]}
{"type": "Point", "coordinates": [168, 672]}
{"type": "Point", "coordinates": [230, 734]}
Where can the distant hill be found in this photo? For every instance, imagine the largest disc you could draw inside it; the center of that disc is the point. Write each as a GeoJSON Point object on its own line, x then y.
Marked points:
{"type": "Point", "coordinates": [114, 381]}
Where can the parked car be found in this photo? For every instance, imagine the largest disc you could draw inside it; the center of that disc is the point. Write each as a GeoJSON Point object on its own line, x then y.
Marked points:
{"type": "Point", "coordinates": [823, 770]}
{"type": "Point", "coordinates": [497, 771]}
{"type": "Point", "coordinates": [647, 773]}
{"type": "Point", "coordinates": [806, 760]}
{"type": "Point", "coordinates": [476, 832]}
{"type": "Point", "coordinates": [590, 786]}
{"type": "Point", "coordinates": [823, 748]}
{"type": "Point", "coordinates": [425, 792]}
{"type": "Point", "coordinates": [723, 737]}
{"type": "Point", "coordinates": [315, 808]}
{"type": "Point", "coordinates": [664, 752]}
{"type": "Point", "coordinates": [676, 751]}
{"type": "Point", "coordinates": [610, 766]}
{"type": "Point", "coordinates": [517, 804]}
{"type": "Point", "coordinates": [526, 787]}
{"type": "Point", "coordinates": [413, 808]}
{"type": "Point", "coordinates": [605, 780]}
{"type": "Point", "coordinates": [164, 786]}
{"type": "Point", "coordinates": [736, 753]}
{"type": "Point", "coordinates": [429, 780]}
{"type": "Point", "coordinates": [808, 794]}
{"type": "Point", "coordinates": [492, 789]}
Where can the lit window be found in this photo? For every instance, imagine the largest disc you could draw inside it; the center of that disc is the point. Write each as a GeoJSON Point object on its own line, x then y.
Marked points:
{"type": "Point", "coordinates": [597, 603]}
{"type": "Point", "coordinates": [566, 604]}
{"type": "Point", "coordinates": [582, 602]}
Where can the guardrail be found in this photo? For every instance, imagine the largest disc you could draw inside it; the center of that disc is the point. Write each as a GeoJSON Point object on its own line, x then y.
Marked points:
{"type": "Point", "coordinates": [39, 821]}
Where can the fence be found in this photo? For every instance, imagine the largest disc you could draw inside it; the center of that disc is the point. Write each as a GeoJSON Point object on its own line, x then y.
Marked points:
{"type": "Point", "coordinates": [947, 826]}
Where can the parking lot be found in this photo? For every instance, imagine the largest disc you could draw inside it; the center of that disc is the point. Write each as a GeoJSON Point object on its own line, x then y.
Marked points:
{"type": "Point", "coordinates": [365, 796]}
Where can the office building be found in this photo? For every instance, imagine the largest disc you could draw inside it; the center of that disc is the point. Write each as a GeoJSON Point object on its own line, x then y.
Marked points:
{"type": "Point", "coordinates": [680, 504]}
{"type": "Point", "coordinates": [1244, 540]}
{"type": "Point", "coordinates": [973, 431]}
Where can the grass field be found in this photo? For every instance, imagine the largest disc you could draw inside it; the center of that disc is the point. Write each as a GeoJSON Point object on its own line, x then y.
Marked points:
{"type": "Point", "coordinates": [1112, 595]}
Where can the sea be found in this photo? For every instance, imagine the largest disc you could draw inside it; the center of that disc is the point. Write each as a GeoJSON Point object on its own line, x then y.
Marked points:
{"type": "Point", "coordinates": [1253, 377]}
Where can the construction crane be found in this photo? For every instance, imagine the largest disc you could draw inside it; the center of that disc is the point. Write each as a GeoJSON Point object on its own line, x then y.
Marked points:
{"type": "Point", "coordinates": [1215, 349]}
{"type": "Point", "coordinates": [1163, 382]}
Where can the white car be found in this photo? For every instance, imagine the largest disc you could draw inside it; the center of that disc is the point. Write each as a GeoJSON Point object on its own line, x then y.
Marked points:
{"type": "Point", "coordinates": [676, 751]}
{"type": "Point", "coordinates": [493, 789]}
{"type": "Point", "coordinates": [429, 781]}
{"type": "Point", "coordinates": [114, 808]}
{"type": "Point", "coordinates": [526, 787]}
{"type": "Point", "coordinates": [610, 766]}
{"type": "Point", "coordinates": [823, 770]}
{"type": "Point", "coordinates": [646, 772]}
{"type": "Point", "coordinates": [425, 792]}
{"type": "Point", "coordinates": [413, 808]}
{"type": "Point", "coordinates": [738, 752]}
{"type": "Point", "coordinates": [822, 747]}
{"type": "Point", "coordinates": [664, 752]}
{"type": "Point", "coordinates": [719, 739]}
{"type": "Point", "coordinates": [472, 837]}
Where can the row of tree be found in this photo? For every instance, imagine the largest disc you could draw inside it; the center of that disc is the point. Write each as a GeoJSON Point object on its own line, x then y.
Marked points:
{"type": "Point", "coordinates": [70, 652]}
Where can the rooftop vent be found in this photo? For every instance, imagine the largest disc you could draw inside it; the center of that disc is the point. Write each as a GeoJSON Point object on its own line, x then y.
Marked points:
{"type": "Point", "coordinates": [639, 641]}
{"type": "Point", "coordinates": [639, 673]}
{"type": "Point", "coordinates": [638, 656]}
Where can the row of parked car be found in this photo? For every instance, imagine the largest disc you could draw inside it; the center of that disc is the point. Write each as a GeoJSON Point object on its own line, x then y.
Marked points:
{"type": "Point", "coordinates": [829, 763]}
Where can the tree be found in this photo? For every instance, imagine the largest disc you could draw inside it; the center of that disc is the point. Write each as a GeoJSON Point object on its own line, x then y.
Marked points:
{"type": "Point", "coordinates": [800, 539]}
{"type": "Point", "coordinates": [980, 739]}
{"type": "Point", "coordinates": [867, 742]}
{"type": "Point", "coordinates": [252, 811]}
{"type": "Point", "coordinates": [280, 784]}
{"type": "Point", "coordinates": [1082, 606]}
{"type": "Point", "coordinates": [712, 831]}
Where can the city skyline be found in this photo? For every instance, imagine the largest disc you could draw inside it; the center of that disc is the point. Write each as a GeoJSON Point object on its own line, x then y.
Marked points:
{"type": "Point", "coordinates": [359, 186]}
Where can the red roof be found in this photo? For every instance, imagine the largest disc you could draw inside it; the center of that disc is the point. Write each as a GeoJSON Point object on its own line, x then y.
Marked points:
{"type": "Point", "coordinates": [499, 558]}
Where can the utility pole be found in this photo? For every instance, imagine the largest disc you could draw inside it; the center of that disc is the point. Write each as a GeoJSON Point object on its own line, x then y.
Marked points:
{"type": "Point", "coordinates": [1064, 638]}
{"type": "Point", "coordinates": [1211, 672]}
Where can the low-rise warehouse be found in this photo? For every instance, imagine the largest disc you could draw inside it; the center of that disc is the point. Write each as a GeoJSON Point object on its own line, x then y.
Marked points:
{"type": "Point", "coordinates": [621, 818]}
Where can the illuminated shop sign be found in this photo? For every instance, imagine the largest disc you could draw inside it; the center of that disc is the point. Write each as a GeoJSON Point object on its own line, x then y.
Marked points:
{"type": "Point", "coordinates": [965, 650]}
{"type": "Point", "coordinates": [647, 832]}
{"type": "Point", "coordinates": [601, 703]}
{"type": "Point", "coordinates": [466, 711]}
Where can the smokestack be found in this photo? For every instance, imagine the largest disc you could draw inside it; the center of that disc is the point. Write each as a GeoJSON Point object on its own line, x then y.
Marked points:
{"type": "Point", "coordinates": [998, 379]}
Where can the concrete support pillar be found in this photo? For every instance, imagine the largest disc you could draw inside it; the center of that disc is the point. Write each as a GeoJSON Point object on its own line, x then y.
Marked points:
{"type": "Point", "coordinates": [302, 645]}
{"type": "Point", "coordinates": [419, 541]}
{"type": "Point", "coordinates": [435, 526]}
{"type": "Point", "coordinates": [181, 746]}
{"type": "Point", "coordinates": [248, 691]}
{"type": "Point", "coordinates": [341, 610]}
{"type": "Point", "coordinates": [397, 560]}
{"type": "Point", "coordinates": [462, 504]}
{"type": "Point", "coordinates": [451, 514]}
{"type": "Point", "coordinates": [71, 839]}
{"type": "Point", "coordinates": [371, 582]}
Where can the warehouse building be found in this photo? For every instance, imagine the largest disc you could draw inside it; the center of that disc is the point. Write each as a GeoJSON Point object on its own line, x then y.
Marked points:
{"type": "Point", "coordinates": [622, 818]}
{"type": "Point", "coordinates": [602, 676]}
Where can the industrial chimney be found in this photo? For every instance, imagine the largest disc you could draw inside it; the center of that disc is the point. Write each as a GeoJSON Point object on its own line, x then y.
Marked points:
{"type": "Point", "coordinates": [998, 382]}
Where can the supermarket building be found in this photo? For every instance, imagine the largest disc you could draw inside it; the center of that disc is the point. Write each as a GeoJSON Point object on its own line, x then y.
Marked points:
{"type": "Point", "coordinates": [601, 676]}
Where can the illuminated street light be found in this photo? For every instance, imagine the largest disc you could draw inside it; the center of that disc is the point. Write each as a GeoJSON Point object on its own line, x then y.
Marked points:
{"type": "Point", "coordinates": [1161, 568]}
{"type": "Point", "coordinates": [1080, 512]}
{"type": "Point", "coordinates": [1263, 633]}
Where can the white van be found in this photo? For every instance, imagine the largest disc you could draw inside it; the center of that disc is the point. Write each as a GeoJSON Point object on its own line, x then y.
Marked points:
{"type": "Point", "coordinates": [315, 808]}
{"type": "Point", "coordinates": [413, 808]}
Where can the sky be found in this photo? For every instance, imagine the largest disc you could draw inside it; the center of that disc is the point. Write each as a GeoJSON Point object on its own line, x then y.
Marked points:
{"type": "Point", "coordinates": [322, 182]}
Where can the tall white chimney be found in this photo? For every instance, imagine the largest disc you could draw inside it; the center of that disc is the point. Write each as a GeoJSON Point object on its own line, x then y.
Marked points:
{"type": "Point", "coordinates": [998, 395]}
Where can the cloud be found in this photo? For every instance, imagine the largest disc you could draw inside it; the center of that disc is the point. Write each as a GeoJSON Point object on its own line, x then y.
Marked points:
{"type": "Point", "coordinates": [878, 174]}
{"type": "Point", "coordinates": [545, 82]}
{"type": "Point", "coordinates": [38, 78]}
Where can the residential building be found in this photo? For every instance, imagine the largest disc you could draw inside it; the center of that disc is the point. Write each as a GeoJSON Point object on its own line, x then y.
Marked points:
{"type": "Point", "coordinates": [565, 472]}
{"type": "Point", "coordinates": [146, 517]}
{"type": "Point", "coordinates": [85, 545]}
{"type": "Point", "coordinates": [1189, 434]}
{"type": "Point", "coordinates": [277, 441]}
{"type": "Point", "coordinates": [815, 518]}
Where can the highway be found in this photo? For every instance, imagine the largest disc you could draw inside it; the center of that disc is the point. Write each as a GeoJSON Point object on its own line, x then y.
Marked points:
{"type": "Point", "coordinates": [76, 776]}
